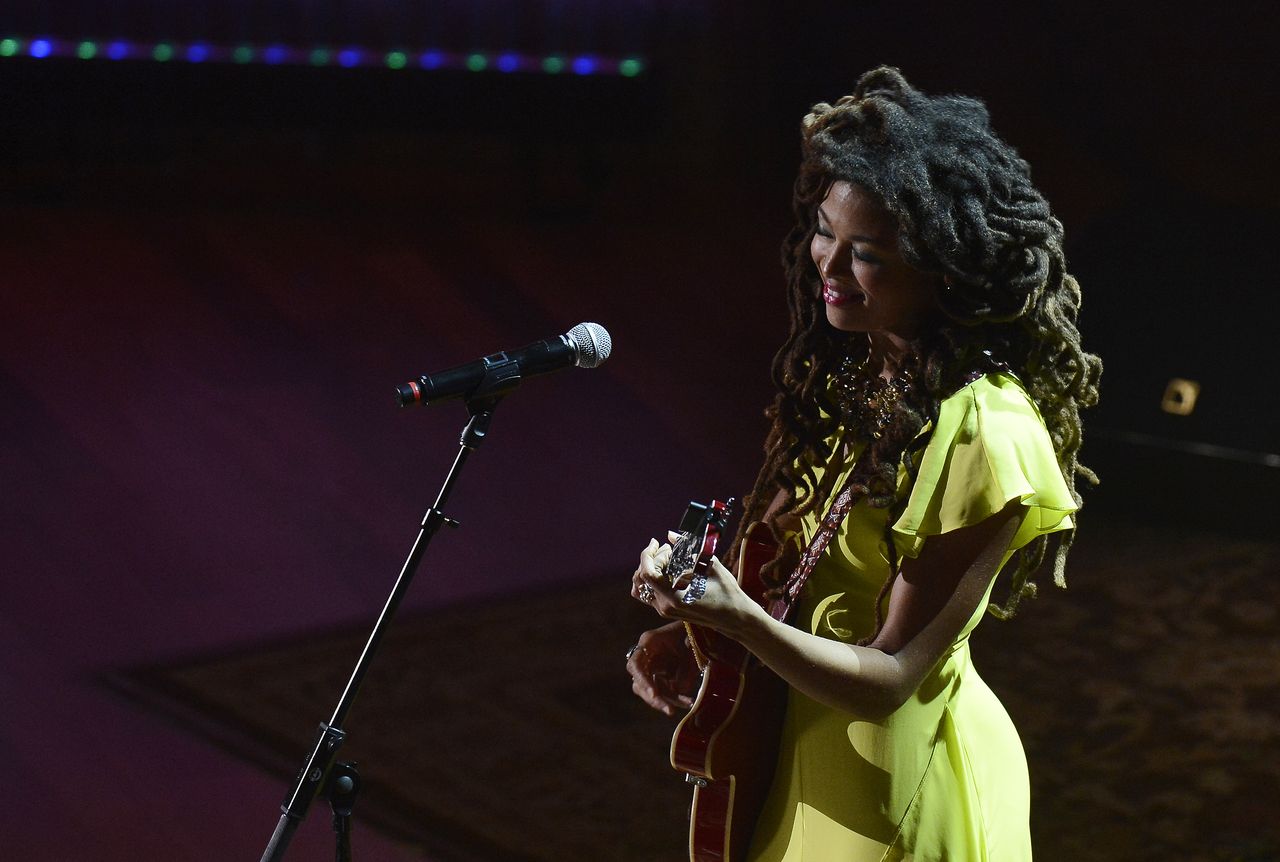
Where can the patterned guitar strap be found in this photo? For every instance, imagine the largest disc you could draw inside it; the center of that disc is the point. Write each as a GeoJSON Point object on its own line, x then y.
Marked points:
{"type": "Point", "coordinates": [780, 608]}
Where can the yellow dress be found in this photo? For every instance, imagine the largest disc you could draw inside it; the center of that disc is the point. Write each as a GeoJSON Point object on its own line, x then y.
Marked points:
{"type": "Point", "coordinates": [944, 777]}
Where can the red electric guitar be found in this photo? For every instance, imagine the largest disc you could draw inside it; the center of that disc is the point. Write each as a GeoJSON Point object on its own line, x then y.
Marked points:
{"type": "Point", "coordinates": [727, 743]}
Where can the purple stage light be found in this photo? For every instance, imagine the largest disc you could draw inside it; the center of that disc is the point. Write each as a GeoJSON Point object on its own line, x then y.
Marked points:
{"type": "Point", "coordinates": [584, 65]}
{"type": "Point", "coordinates": [275, 54]}
{"type": "Point", "coordinates": [349, 57]}
{"type": "Point", "coordinates": [508, 63]}
{"type": "Point", "coordinates": [118, 50]}
{"type": "Point", "coordinates": [40, 48]}
{"type": "Point", "coordinates": [197, 53]}
{"type": "Point", "coordinates": [431, 60]}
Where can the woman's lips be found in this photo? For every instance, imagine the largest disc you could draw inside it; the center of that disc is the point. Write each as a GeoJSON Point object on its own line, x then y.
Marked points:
{"type": "Point", "coordinates": [833, 295]}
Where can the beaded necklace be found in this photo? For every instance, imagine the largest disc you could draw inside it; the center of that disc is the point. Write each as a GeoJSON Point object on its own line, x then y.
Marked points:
{"type": "Point", "coordinates": [867, 400]}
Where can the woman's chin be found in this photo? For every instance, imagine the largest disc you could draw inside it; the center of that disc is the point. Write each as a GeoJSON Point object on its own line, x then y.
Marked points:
{"type": "Point", "coordinates": [847, 318]}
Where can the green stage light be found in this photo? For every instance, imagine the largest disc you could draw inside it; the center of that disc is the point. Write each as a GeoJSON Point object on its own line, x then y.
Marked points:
{"type": "Point", "coordinates": [242, 54]}
{"type": "Point", "coordinates": [630, 68]}
{"type": "Point", "coordinates": [9, 47]}
{"type": "Point", "coordinates": [553, 65]}
{"type": "Point", "coordinates": [87, 50]}
{"type": "Point", "coordinates": [319, 57]}
{"type": "Point", "coordinates": [396, 60]}
{"type": "Point", "coordinates": [162, 52]}
{"type": "Point", "coordinates": [477, 62]}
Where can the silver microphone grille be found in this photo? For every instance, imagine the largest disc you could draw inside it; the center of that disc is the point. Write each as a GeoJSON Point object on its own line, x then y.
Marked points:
{"type": "Point", "coordinates": [592, 343]}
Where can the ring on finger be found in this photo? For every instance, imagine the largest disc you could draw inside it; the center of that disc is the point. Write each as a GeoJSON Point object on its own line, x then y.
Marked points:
{"type": "Point", "coordinates": [646, 593]}
{"type": "Point", "coordinates": [697, 589]}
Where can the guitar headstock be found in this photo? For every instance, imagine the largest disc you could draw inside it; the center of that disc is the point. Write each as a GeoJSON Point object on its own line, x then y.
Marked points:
{"type": "Point", "coordinates": [699, 533]}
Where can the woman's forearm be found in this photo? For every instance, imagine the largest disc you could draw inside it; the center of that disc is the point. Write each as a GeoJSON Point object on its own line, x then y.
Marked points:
{"type": "Point", "coordinates": [863, 681]}
{"type": "Point", "coordinates": [873, 681]}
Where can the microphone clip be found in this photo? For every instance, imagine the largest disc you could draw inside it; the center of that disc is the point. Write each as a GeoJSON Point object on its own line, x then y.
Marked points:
{"type": "Point", "coordinates": [501, 377]}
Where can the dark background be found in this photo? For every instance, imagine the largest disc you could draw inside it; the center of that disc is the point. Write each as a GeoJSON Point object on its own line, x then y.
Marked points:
{"type": "Point", "coordinates": [211, 276]}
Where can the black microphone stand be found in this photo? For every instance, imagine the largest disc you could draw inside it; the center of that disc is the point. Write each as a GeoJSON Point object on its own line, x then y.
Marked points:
{"type": "Point", "coordinates": [319, 776]}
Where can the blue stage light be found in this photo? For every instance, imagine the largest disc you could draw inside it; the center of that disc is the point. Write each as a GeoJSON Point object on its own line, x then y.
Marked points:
{"type": "Point", "coordinates": [350, 57]}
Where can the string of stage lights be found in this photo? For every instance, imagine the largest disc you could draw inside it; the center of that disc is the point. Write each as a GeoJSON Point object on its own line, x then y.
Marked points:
{"type": "Point", "coordinates": [349, 57]}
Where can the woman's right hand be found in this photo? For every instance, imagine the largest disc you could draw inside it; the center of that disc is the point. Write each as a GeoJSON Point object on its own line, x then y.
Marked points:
{"type": "Point", "coordinates": [664, 673]}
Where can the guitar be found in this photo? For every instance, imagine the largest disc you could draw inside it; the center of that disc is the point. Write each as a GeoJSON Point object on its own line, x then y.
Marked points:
{"type": "Point", "coordinates": [727, 743]}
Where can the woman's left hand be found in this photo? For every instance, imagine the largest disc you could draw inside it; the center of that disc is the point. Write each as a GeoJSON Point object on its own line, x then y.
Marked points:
{"type": "Point", "coordinates": [722, 606]}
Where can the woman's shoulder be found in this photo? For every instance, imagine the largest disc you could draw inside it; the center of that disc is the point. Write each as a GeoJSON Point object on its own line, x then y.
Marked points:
{"type": "Point", "coordinates": [993, 403]}
{"type": "Point", "coordinates": [992, 426]}
{"type": "Point", "coordinates": [990, 447]}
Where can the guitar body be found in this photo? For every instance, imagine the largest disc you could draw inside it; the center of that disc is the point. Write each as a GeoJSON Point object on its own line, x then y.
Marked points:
{"type": "Point", "coordinates": [727, 743]}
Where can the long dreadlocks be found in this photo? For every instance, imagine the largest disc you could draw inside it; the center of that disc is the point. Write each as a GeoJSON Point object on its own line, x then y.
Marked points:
{"type": "Point", "coordinates": [966, 210]}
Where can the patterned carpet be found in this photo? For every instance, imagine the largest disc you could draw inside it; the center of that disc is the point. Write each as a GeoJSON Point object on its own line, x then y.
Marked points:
{"type": "Point", "coordinates": [1147, 697]}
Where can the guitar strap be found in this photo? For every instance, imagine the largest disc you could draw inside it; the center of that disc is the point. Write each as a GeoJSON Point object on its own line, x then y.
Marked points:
{"type": "Point", "coordinates": [780, 608]}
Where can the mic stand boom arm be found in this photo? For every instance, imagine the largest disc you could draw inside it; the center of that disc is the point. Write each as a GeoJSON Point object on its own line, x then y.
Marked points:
{"type": "Point", "coordinates": [499, 380]}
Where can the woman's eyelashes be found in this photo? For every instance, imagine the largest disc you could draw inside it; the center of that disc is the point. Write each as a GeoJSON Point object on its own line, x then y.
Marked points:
{"type": "Point", "coordinates": [863, 256]}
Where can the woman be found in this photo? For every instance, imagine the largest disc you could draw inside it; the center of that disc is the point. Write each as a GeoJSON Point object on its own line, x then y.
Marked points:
{"type": "Point", "coordinates": [933, 363]}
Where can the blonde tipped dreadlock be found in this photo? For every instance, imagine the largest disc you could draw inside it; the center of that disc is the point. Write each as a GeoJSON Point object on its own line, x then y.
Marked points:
{"type": "Point", "coordinates": [966, 210]}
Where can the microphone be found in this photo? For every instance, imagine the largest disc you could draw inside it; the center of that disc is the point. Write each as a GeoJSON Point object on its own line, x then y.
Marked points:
{"type": "Point", "coordinates": [586, 345]}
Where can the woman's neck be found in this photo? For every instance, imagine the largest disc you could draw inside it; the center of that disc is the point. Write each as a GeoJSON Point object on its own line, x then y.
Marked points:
{"type": "Point", "coordinates": [885, 352]}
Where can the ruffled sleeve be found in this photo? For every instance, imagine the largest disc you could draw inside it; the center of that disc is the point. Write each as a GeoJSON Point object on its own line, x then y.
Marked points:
{"type": "Point", "coordinates": [990, 447]}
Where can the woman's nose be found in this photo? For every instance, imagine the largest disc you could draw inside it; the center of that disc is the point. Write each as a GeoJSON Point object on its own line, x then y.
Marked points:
{"type": "Point", "coordinates": [833, 261]}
